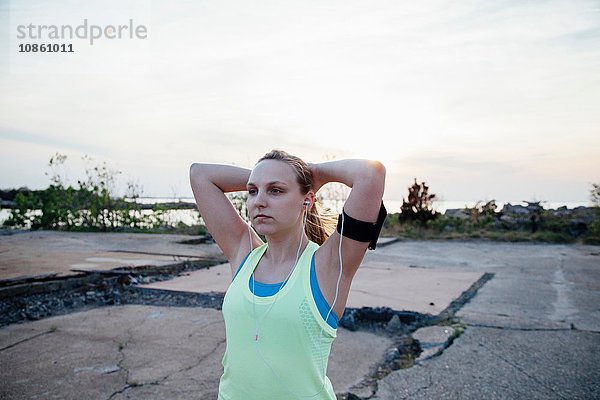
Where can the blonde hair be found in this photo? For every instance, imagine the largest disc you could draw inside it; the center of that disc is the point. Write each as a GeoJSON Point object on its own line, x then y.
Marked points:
{"type": "Point", "coordinates": [319, 223]}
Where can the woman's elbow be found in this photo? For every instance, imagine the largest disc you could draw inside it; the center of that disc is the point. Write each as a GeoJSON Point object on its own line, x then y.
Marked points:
{"type": "Point", "coordinates": [376, 171]}
{"type": "Point", "coordinates": [378, 167]}
{"type": "Point", "coordinates": [197, 175]}
{"type": "Point", "coordinates": [196, 170]}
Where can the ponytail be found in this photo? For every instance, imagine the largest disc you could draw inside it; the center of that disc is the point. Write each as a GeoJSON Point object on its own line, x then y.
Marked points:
{"type": "Point", "coordinates": [319, 225]}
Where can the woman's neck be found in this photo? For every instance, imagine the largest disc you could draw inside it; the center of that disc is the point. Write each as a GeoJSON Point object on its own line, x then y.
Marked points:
{"type": "Point", "coordinates": [284, 250]}
{"type": "Point", "coordinates": [281, 256]}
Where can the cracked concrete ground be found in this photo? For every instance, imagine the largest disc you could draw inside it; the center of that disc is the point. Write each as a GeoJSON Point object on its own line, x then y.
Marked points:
{"type": "Point", "coordinates": [533, 331]}
{"type": "Point", "coordinates": [142, 352]}
{"type": "Point", "coordinates": [493, 363]}
{"type": "Point", "coordinates": [113, 353]}
{"type": "Point", "coordinates": [32, 253]}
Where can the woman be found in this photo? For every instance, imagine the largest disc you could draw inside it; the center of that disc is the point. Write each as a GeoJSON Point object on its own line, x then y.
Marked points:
{"type": "Point", "coordinates": [282, 306]}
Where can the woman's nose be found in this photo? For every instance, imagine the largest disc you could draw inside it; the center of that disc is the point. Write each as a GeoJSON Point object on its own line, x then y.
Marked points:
{"type": "Point", "coordinates": [260, 200]}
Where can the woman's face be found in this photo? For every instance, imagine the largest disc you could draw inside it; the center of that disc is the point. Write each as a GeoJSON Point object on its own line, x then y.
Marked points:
{"type": "Point", "coordinates": [275, 201]}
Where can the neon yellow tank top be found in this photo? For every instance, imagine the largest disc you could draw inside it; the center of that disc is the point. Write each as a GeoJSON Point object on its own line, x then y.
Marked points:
{"type": "Point", "coordinates": [290, 357]}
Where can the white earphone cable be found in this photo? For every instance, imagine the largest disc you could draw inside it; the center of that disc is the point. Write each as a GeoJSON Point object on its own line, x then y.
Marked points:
{"type": "Point", "coordinates": [257, 320]}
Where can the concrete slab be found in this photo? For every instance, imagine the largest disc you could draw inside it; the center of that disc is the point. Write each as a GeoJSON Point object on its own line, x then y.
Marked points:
{"type": "Point", "coordinates": [380, 282]}
{"type": "Point", "coordinates": [376, 284]}
{"type": "Point", "coordinates": [143, 352]}
{"type": "Point", "coordinates": [213, 279]}
{"type": "Point", "coordinates": [433, 340]}
{"type": "Point", "coordinates": [428, 291]}
{"type": "Point", "coordinates": [503, 364]}
{"type": "Point", "coordinates": [44, 252]}
{"type": "Point", "coordinates": [531, 332]}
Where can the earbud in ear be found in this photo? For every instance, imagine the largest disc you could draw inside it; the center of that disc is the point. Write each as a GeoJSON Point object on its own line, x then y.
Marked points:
{"type": "Point", "coordinates": [306, 202]}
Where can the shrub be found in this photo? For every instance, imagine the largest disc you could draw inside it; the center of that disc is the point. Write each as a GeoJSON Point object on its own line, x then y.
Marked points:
{"type": "Point", "coordinates": [418, 207]}
{"type": "Point", "coordinates": [595, 195]}
{"type": "Point", "coordinates": [90, 206]}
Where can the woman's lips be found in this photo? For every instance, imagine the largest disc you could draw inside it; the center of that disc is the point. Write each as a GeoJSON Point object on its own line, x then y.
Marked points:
{"type": "Point", "coordinates": [262, 217]}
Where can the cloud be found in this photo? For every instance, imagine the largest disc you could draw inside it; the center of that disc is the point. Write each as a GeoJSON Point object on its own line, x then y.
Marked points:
{"type": "Point", "coordinates": [471, 87]}
{"type": "Point", "coordinates": [10, 137]}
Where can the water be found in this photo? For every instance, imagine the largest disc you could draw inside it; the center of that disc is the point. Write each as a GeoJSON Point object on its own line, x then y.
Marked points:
{"type": "Point", "coordinates": [4, 214]}
{"type": "Point", "coordinates": [171, 217]}
{"type": "Point", "coordinates": [192, 217]}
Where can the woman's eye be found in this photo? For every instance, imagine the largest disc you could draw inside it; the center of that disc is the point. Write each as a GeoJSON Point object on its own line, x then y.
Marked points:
{"type": "Point", "coordinates": [252, 192]}
{"type": "Point", "coordinates": [275, 191]}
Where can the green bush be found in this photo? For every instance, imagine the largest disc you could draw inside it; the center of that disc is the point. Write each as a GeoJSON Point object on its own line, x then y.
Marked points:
{"type": "Point", "coordinates": [552, 223]}
{"type": "Point", "coordinates": [487, 225]}
{"type": "Point", "coordinates": [592, 235]}
{"type": "Point", "coordinates": [447, 224]}
{"type": "Point", "coordinates": [22, 211]}
{"type": "Point", "coordinates": [418, 207]}
{"type": "Point", "coordinates": [90, 206]}
{"type": "Point", "coordinates": [552, 237]}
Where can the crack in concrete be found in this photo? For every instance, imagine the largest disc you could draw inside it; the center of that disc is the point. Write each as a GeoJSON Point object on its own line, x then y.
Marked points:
{"type": "Point", "coordinates": [519, 329]}
{"type": "Point", "coordinates": [121, 347]}
{"type": "Point", "coordinates": [119, 392]}
{"type": "Point", "coordinates": [135, 385]}
{"type": "Point", "coordinates": [200, 360]}
{"type": "Point", "coordinates": [463, 299]}
{"type": "Point", "coordinates": [180, 256]}
{"type": "Point", "coordinates": [401, 355]}
{"type": "Point", "coordinates": [132, 385]}
{"type": "Point", "coordinates": [410, 351]}
{"type": "Point", "coordinates": [534, 329]}
{"type": "Point", "coordinates": [521, 370]}
{"type": "Point", "coordinates": [27, 339]}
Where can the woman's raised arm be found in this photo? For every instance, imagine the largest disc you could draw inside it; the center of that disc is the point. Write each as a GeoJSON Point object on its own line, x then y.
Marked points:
{"type": "Point", "coordinates": [365, 177]}
{"type": "Point", "coordinates": [209, 183]}
{"type": "Point", "coordinates": [367, 180]}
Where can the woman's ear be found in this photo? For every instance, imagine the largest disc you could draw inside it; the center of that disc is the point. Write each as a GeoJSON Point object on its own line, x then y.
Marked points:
{"type": "Point", "coordinates": [309, 199]}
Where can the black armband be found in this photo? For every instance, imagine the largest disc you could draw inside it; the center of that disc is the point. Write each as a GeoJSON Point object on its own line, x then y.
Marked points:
{"type": "Point", "coordinates": [362, 231]}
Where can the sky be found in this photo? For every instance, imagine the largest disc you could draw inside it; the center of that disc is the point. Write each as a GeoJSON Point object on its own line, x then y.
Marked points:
{"type": "Point", "coordinates": [480, 99]}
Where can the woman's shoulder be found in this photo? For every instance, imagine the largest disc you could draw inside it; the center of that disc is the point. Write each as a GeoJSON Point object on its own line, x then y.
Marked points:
{"type": "Point", "coordinates": [257, 251]}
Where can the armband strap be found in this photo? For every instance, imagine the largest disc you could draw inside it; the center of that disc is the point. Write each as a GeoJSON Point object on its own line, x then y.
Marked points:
{"type": "Point", "coordinates": [362, 231]}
